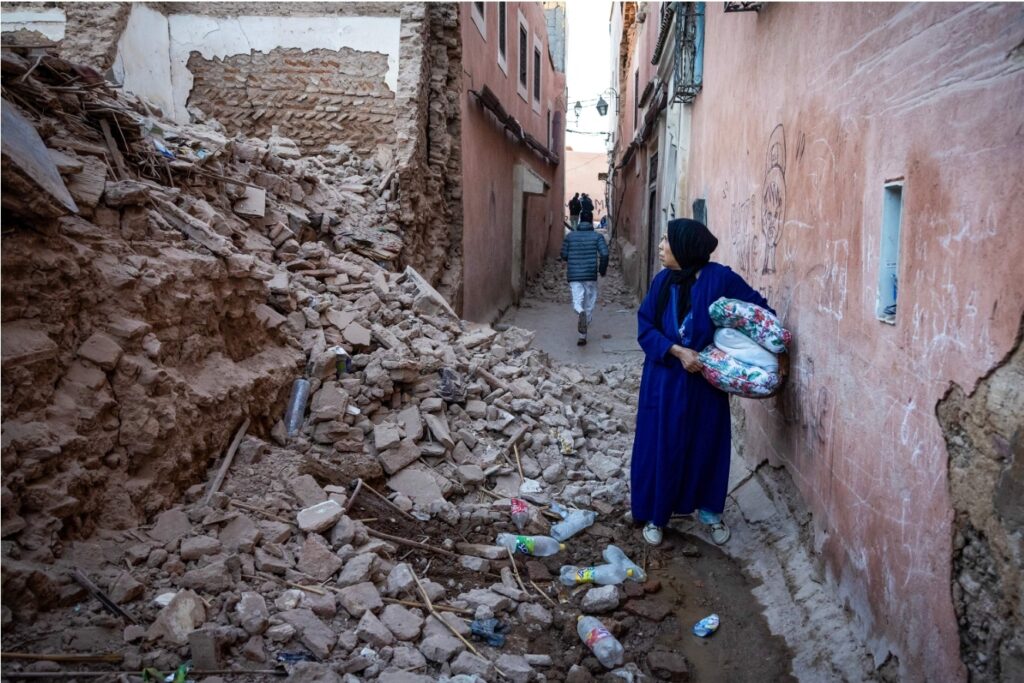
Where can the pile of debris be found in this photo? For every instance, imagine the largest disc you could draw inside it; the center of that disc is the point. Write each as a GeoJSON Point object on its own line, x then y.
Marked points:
{"type": "Point", "coordinates": [166, 287]}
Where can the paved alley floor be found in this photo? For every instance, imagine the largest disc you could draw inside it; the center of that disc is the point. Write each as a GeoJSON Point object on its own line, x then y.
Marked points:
{"type": "Point", "coordinates": [780, 620]}
{"type": "Point", "coordinates": [547, 310]}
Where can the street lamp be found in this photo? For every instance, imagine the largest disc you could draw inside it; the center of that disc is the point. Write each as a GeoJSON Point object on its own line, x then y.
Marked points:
{"type": "Point", "coordinates": [602, 105]}
{"type": "Point", "coordinates": [578, 109]}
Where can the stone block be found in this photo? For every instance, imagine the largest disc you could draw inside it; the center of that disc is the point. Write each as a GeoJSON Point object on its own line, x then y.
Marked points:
{"type": "Point", "coordinates": [320, 517]}
{"type": "Point", "coordinates": [600, 600]}
{"type": "Point", "coordinates": [359, 598]}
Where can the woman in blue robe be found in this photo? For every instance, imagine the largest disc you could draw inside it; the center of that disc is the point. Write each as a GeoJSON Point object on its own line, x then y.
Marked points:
{"type": "Point", "coordinates": [681, 450]}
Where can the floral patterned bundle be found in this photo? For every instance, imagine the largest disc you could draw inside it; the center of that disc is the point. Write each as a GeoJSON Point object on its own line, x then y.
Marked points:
{"type": "Point", "coordinates": [736, 377]}
{"type": "Point", "coordinates": [757, 323]}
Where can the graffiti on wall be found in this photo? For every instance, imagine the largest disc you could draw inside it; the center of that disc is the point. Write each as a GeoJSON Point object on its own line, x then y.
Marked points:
{"type": "Point", "coordinates": [773, 197]}
{"type": "Point", "coordinates": [744, 241]}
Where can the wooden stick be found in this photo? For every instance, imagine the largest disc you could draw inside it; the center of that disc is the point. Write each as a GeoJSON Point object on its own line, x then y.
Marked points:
{"type": "Point", "coordinates": [110, 657]}
{"type": "Point", "coordinates": [98, 674]}
{"type": "Point", "coordinates": [223, 471]}
{"type": "Point", "coordinates": [412, 544]}
{"type": "Point", "coordinates": [103, 598]}
{"type": "Point", "coordinates": [543, 594]}
{"type": "Point", "coordinates": [384, 498]}
{"type": "Point", "coordinates": [217, 176]}
{"type": "Point", "coordinates": [413, 603]}
{"type": "Point", "coordinates": [515, 570]}
{"type": "Point", "coordinates": [434, 612]}
{"type": "Point", "coordinates": [291, 584]}
{"type": "Point", "coordinates": [491, 379]}
{"type": "Point", "coordinates": [258, 511]}
{"type": "Point", "coordinates": [519, 463]}
{"type": "Point", "coordinates": [352, 498]}
{"type": "Point", "coordinates": [114, 151]}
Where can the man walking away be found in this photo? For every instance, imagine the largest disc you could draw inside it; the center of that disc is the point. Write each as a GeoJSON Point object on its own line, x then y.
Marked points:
{"type": "Point", "coordinates": [587, 254]}
{"type": "Point", "coordinates": [586, 204]}
{"type": "Point", "coordinates": [574, 210]}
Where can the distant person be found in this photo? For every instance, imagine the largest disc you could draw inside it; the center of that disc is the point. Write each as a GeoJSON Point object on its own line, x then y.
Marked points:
{"type": "Point", "coordinates": [574, 210]}
{"type": "Point", "coordinates": [587, 254]}
{"type": "Point", "coordinates": [681, 449]}
{"type": "Point", "coordinates": [587, 204]}
{"type": "Point", "coordinates": [604, 222]}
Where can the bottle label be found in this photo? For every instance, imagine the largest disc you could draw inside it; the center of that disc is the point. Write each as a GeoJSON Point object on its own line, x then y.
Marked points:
{"type": "Point", "coordinates": [596, 634]}
{"type": "Point", "coordinates": [585, 575]}
{"type": "Point", "coordinates": [525, 544]}
{"type": "Point", "coordinates": [519, 506]}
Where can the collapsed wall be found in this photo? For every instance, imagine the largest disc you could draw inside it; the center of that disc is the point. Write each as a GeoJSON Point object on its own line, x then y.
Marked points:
{"type": "Point", "coordinates": [165, 284]}
{"type": "Point", "coordinates": [985, 441]}
{"type": "Point", "coordinates": [381, 79]}
{"type": "Point", "coordinates": [140, 289]}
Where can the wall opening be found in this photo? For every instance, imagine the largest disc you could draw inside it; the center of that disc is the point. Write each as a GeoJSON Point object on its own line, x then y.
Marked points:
{"type": "Point", "coordinates": [889, 253]}
{"type": "Point", "coordinates": [700, 211]}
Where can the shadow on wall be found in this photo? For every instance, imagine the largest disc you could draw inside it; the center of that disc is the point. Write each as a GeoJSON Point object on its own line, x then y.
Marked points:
{"type": "Point", "coordinates": [985, 442]}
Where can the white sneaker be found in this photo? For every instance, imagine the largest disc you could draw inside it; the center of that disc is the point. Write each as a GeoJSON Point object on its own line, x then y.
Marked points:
{"type": "Point", "coordinates": [653, 534]}
{"type": "Point", "coordinates": [720, 533]}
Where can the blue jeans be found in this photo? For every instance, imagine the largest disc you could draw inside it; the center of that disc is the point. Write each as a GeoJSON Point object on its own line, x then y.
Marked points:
{"type": "Point", "coordinates": [706, 517]}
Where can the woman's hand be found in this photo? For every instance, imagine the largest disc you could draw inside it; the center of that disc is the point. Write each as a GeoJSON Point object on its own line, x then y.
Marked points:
{"type": "Point", "coordinates": [689, 358]}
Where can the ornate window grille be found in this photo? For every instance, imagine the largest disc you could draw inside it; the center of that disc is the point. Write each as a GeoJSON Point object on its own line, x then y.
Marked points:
{"type": "Point", "coordinates": [689, 51]}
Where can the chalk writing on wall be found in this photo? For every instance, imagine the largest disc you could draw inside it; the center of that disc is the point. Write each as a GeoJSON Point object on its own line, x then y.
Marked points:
{"type": "Point", "coordinates": [773, 197]}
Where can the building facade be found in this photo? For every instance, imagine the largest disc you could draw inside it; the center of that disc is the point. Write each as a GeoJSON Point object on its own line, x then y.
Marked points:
{"type": "Point", "coordinates": [860, 165]}
{"type": "Point", "coordinates": [513, 122]}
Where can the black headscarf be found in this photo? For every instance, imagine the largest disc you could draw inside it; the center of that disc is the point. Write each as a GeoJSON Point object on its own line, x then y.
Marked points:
{"type": "Point", "coordinates": [692, 244]}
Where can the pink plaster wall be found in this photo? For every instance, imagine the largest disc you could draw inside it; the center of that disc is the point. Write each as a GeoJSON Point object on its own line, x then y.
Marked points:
{"type": "Point", "coordinates": [864, 93]}
{"type": "Point", "coordinates": [489, 157]}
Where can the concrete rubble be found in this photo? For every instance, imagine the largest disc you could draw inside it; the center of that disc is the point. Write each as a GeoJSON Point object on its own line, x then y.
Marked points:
{"type": "Point", "coordinates": [195, 307]}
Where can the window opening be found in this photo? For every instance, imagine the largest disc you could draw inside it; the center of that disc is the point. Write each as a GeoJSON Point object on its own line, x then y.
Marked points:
{"type": "Point", "coordinates": [889, 253]}
{"type": "Point", "coordinates": [523, 55]}
{"type": "Point", "coordinates": [536, 74]}
{"type": "Point", "coordinates": [502, 32]}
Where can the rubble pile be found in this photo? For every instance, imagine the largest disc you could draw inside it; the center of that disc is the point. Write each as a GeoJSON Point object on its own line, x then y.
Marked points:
{"type": "Point", "coordinates": [164, 287]}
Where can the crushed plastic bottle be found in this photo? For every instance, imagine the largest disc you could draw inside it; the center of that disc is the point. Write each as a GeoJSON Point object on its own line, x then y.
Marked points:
{"type": "Point", "coordinates": [706, 626]}
{"type": "Point", "coordinates": [297, 406]}
{"type": "Point", "coordinates": [601, 642]}
{"type": "Point", "coordinates": [572, 523]}
{"type": "Point", "coordinates": [538, 546]}
{"type": "Point", "coordinates": [520, 512]}
{"type": "Point", "coordinates": [342, 361]}
{"type": "Point", "coordinates": [603, 575]}
{"type": "Point", "coordinates": [616, 556]}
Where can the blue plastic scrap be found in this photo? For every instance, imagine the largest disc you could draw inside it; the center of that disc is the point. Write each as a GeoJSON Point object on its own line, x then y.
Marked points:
{"type": "Point", "coordinates": [490, 630]}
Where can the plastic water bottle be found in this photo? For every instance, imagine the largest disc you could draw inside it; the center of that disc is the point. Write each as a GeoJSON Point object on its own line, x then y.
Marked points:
{"type": "Point", "coordinates": [614, 555]}
{"type": "Point", "coordinates": [538, 546]}
{"type": "Point", "coordinates": [520, 512]}
{"type": "Point", "coordinates": [603, 575]}
{"type": "Point", "coordinates": [573, 523]}
{"type": "Point", "coordinates": [296, 406]}
{"type": "Point", "coordinates": [601, 642]}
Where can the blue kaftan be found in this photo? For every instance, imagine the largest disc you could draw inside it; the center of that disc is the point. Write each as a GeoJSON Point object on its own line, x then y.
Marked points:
{"type": "Point", "coordinates": [683, 433]}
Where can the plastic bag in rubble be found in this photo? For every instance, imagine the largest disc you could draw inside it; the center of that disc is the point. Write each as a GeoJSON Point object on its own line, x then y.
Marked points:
{"type": "Point", "coordinates": [451, 389]}
{"type": "Point", "coordinates": [490, 630]}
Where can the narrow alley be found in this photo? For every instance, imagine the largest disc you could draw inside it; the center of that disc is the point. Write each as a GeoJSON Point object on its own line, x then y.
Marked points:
{"type": "Point", "coordinates": [295, 385]}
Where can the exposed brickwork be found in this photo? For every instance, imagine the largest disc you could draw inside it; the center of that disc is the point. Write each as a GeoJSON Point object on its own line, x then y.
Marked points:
{"type": "Point", "coordinates": [317, 98]}
{"type": "Point", "coordinates": [430, 162]}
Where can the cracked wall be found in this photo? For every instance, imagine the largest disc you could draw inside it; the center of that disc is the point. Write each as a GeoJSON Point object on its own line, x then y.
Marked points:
{"type": "Point", "coordinates": [317, 97]}
{"type": "Point", "coordinates": [985, 441]}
